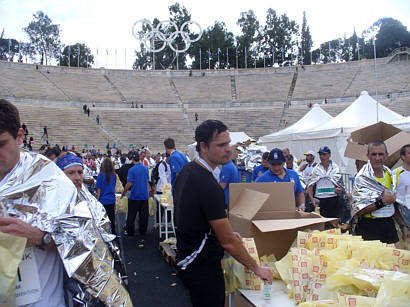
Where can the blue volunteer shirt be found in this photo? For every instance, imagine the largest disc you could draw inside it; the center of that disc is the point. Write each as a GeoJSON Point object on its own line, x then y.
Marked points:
{"type": "Point", "coordinates": [138, 176]}
{"type": "Point", "coordinates": [176, 161]}
{"type": "Point", "coordinates": [290, 176]}
{"type": "Point", "coordinates": [107, 194]}
{"type": "Point", "coordinates": [256, 171]}
{"type": "Point", "coordinates": [229, 174]}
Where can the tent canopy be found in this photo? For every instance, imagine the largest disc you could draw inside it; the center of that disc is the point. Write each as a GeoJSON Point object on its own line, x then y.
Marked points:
{"type": "Point", "coordinates": [316, 116]}
{"type": "Point", "coordinates": [362, 112]}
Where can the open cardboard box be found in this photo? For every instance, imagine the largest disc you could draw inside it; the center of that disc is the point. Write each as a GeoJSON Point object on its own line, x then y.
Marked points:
{"type": "Point", "coordinates": [266, 212]}
{"type": "Point", "coordinates": [394, 138]}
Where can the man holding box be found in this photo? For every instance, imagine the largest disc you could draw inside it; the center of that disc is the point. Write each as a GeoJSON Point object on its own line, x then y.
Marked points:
{"type": "Point", "coordinates": [202, 228]}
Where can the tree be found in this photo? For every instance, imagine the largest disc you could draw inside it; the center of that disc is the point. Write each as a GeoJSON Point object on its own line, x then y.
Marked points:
{"type": "Point", "coordinates": [390, 34]}
{"type": "Point", "coordinates": [44, 36]}
{"type": "Point", "coordinates": [279, 37]}
{"type": "Point", "coordinates": [7, 44]}
{"type": "Point", "coordinates": [215, 39]}
{"type": "Point", "coordinates": [306, 42]}
{"type": "Point", "coordinates": [76, 55]}
{"type": "Point", "coordinates": [247, 43]}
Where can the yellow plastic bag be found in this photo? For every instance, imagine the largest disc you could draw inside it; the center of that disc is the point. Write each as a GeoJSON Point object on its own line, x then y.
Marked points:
{"type": "Point", "coordinates": [394, 291]}
{"type": "Point", "coordinates": [324, 303]}
{"type": "Point", "coordinates": [121, 205]}
{"type": "Point", "coordinates": [118, 185]}
{"type": "Point", "coordinates": [151, 206]}
{"type": "Point", "coordinates": [232, 281]}
{"type": "Point", "coordinates": [355, 300]}
{"type": "Point", "coordinates": [248, 280]}
{"type": "Point", "coordinates": [11, 252]}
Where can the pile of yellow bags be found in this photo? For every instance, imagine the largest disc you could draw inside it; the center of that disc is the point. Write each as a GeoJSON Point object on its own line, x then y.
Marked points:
{"type": "Point", "coordinates": [167, 194]}
{"type": "Point", "coordinates": [333, 269]}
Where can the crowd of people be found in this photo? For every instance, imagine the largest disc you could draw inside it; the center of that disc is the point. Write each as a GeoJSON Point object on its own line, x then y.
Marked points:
{"type": "Point", "coordinates": [201, 198]}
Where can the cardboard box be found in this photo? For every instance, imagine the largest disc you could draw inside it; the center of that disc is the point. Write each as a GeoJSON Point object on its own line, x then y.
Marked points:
{"type": "Point", "coordinates": [394, 138]}
{"type": "Point", "coordinates": [266, 212]}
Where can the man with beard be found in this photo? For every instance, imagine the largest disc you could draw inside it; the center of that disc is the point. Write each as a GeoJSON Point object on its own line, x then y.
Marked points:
{"type": "Point", "coordinates": [202, 228]}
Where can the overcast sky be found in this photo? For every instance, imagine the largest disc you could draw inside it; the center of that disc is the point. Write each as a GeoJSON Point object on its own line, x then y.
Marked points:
{"type": "Point", "coordinates": [107, 24]}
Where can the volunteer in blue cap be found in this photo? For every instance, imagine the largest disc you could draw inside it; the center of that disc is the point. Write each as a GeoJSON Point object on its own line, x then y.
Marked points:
{"type": "Point", "coordinates": [278, 173]}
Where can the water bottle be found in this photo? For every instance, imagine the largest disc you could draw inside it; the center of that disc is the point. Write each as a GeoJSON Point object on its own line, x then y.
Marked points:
{"type": "Point", "coordinates": [267, 288]}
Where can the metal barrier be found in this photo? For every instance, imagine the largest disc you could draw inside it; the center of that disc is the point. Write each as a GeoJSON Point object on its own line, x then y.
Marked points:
{"type": "Point", "coordinates": [348, 181]}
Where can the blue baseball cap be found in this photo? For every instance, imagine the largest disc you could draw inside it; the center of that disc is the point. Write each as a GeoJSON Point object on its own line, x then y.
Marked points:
{"type": "Point", "coordinates": [325, 150]}
{"type": "Point", "coordinates": [276, 156]}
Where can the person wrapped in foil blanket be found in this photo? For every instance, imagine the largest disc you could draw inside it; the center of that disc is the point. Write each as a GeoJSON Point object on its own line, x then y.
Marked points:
{"type": "Point", "coordinates": [38, 193]}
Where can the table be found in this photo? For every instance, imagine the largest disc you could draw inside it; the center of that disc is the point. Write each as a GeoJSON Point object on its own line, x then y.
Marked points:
{"type": "Point", "coordinates": [279, 296]}
{"type": "Point", "coordinates": [167, 226]}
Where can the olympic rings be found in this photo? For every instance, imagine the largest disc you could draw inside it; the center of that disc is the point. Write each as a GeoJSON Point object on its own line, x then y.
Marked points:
{"type": "Point", "coordinates": [157, 34]}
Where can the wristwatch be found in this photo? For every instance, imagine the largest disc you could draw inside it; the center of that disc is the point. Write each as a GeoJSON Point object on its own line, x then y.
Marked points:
{"type": "Point", "coordinates": [46, 239]}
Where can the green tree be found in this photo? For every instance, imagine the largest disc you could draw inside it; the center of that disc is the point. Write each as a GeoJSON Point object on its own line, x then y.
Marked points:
{"type": "Point", "coordinates": [306, 42]}
{"type": "Point", "coordinates": [247, 43]}
{"type": "Point", "coordinates": [279, 37]}
{"type": "Point", "coordinates": [213, 39]}
{"type": "Point", "coordinates": [44, 36]}
{"type": "Point", "coordinates": [7, 44]}
{"type": "Point", "coordinates": [77, 55]}
{"type": "Point", "coordinates": [390, 34]}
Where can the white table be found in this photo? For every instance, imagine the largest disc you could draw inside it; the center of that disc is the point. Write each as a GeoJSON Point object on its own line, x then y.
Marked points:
{"type": "Point", "coordinates": [167, 226]}
{"type": "Point", "coordinates": [279, 296]}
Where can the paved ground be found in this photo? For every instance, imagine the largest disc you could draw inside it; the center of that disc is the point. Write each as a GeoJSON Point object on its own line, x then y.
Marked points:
{"type": "Point", "coordinates": [152, 281]}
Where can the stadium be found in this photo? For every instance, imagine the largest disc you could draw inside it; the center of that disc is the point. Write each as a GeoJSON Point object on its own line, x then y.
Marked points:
{"type": "Point", "coordinates": [143, 108]}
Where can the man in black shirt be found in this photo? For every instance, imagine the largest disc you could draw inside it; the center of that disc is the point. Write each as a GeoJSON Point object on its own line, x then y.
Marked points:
{"type": "Point", "coordinates": [202, 228]}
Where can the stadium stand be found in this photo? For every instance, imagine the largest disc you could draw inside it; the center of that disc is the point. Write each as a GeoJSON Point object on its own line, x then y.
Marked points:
{"type": "Point", "coordinates": [142, 87]}
{"type": "Point", "coordinates": [66, 125]}
{"type": "Point", "coordinates": [249, 100]}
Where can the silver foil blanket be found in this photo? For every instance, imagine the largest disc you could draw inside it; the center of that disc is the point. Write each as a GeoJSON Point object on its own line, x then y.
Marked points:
{"type": "Point", "coordinates": [39, 193]}
{"type": "Point", "coordinates": [332, 173]}
{"type": "Point", "coordinates": [249, 156]}
{"type": "Point", "coordinates": [366, 188]}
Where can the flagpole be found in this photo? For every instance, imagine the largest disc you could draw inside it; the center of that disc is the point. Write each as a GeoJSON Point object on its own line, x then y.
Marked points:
{"type": "Point", "coordinates": [227, 58]}
{"type": "Point", "coordinates": [236, 58]}
{"type": "Point", "coordinates": [246, 60]}
{"type": "Point", "coordinates": [209, 59]}
{"type": "Point", "coordinates": [200, 59]}
{"type": "Point", "coordinates": [375, 70]}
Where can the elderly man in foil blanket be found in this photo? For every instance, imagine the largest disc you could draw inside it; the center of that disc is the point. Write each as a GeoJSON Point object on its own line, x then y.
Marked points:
{"type": "Point", "coordinates": [374, 200]}
{"type": "Point", "coordinates": [66, 228]}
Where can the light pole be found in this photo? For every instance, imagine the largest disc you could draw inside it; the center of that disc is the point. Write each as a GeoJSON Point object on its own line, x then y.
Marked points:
{"type": "Point", "coordinates": [375, 70]}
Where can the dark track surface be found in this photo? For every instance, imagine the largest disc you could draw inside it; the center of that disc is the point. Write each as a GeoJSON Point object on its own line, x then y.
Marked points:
{"type": "Point", "coordinates": [150, 277]}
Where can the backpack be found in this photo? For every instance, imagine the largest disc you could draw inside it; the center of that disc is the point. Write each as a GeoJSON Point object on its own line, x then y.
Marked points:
{"type": "Point", "coordinates": [155, 172]}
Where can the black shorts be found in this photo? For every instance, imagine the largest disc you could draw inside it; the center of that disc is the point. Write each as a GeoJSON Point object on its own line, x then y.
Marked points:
{"type": "Point", "coordinates": [205, 283]}
{"type": "Point", "coordinates": [382, 229]}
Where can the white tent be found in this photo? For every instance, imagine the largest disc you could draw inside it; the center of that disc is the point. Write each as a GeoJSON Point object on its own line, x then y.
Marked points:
{"type": "Point", "coordinates": [236, 137]}
{"type": "Point", "coordinates": [362, 112]}
{"type": "Point", "coordinates": [316, 116]}
{"type": "Point", "coordinates": [403, 124]}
